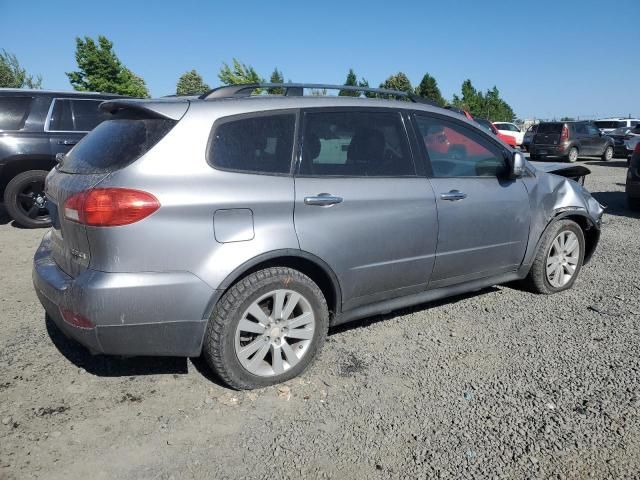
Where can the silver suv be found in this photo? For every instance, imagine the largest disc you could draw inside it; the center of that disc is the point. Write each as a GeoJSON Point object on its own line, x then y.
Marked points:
{"type": "Point", "coordinates": [242, 226]}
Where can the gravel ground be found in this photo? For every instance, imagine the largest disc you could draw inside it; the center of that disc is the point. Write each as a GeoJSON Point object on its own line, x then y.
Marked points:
{"type": "Point", "coordinates": [500, 383]}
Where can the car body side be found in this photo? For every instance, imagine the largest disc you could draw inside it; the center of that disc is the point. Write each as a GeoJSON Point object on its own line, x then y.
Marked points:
{"type": "Point", "coordinates": [160, 279]}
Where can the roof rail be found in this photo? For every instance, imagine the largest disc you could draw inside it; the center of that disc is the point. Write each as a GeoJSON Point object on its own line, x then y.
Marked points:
{"type": "Point", "coordinates": [297, 90]}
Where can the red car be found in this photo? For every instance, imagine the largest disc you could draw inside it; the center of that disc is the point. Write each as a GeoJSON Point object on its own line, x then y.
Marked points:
{"type": "Point", "coordinates": [487, 125]}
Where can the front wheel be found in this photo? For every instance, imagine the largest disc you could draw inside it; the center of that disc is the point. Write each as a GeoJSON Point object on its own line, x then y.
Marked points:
{"type": "Point", "coordinates": [266, 329]}
{"type": "Point", "coordinates": [25, 200]}
{"type": "Point", "coordinates": [607, 154]}
{"type": "Point", "coordinates": [558, 260]}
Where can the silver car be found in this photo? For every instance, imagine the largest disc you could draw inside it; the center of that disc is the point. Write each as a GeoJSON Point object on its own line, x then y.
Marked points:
{"type": "Point", "coordinates": [242, 226]}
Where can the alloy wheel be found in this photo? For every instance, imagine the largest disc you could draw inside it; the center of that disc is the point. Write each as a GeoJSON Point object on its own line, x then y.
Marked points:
{"type": "Point", "coordinates": [275, 333]}
{"type": "Point", "coordinates": [32, 202]}
{"type": "Point", "coordinates": [563, 259]}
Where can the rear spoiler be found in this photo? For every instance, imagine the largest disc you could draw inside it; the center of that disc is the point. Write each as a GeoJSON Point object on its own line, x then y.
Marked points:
{"type": "Point", "coordinates": [172, 109]}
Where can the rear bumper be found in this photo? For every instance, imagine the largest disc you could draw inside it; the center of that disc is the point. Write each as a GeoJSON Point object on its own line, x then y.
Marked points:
{"type": "Point", "coordinates": [134, 313]}
{"type": "Point", "coordinates": [549, 150]}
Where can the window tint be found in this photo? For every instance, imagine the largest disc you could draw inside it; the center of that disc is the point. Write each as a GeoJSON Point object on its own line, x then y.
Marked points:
{"type": "Point", "coordinates": [591, 130]}
{"type": "Point", "coordinates": [549, 128]}
{"type": "Point", "coordinates": [262, 144]}
{"type": "Point", "coordinates": [363, 144]}
{"type": "Point", "coordinates": [76, 115]}
{"type": "Point", "coordinates": [457, 151]}
{"type": "Point", "coordinates": [14, 112]}
{"type": "Point", "coordinates": [114, 144]}
{"type": "Point", "coordinates": [581, 129]}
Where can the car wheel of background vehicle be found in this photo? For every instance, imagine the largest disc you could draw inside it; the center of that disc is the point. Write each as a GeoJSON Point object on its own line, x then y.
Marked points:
{"type": "Point", "coordinates": [607, 154]}
{"type": "Point", "coordinates": [633, 203]}
{"type": "Point", "coordinates": [266, 329]}
{"type": "Point", "coordinates": [558, 260]}
{"type": "Point", "coordinates": [573, 155]}
{"type": "Point", "coordinates": [25, 201]}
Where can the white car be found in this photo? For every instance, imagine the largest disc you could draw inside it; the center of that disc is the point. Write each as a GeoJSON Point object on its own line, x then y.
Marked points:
{"type": "Point", "coordinates": [607, 125]}
{"type": "Point", "coordinates": [512, 129]}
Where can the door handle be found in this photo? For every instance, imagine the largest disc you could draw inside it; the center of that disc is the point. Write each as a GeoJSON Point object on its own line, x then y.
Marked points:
{"type": "Point", "coordinates": [322, 200]}
{"type": "Point", "coordinates": [67, 142]}
{"type": "Point", "coordinates": [453, 195]}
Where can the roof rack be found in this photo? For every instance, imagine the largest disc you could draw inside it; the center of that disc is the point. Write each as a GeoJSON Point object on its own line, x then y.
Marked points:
{"type": "Point", "coordinates": [297, 90]}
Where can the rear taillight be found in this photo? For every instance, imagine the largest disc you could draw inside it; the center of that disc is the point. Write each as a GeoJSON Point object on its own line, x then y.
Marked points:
{"type": "Point", "coordinates": [110, 207]}
{"type": "Point", "coordinates": [75, 319]}
{"type": "Point", "coordinates": [564, 136]}
{"type": "Point", "coordinates": [637, 149]}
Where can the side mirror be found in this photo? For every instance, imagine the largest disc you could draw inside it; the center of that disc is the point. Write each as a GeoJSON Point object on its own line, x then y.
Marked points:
{"type": "Point", "coordinates": [518, 168]}
{"type": "Point", "coordinates": [60, 158]}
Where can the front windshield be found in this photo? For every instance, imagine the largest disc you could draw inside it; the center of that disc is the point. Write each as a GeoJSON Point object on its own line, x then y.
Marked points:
{"type": "Point", "coordinates": [485, 124]}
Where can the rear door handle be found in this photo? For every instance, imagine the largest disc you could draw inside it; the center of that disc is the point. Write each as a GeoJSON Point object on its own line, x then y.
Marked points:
{"type": "Point", "coordinates": [322, 200]}
{"type": "Point", "coordinates": [67, 142]}
{"type": "Point", "coordinates": [453, 195]}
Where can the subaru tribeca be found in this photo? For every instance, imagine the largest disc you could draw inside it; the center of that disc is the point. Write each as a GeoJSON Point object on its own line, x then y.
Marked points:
{"type": "Point", "coordinates": [242, 226]}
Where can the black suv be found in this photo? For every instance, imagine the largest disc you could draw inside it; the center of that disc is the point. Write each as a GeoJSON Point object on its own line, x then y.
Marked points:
{"type": "Point", "coordinates": [569, 140]}
{"type": "Point", "coordinates": [36, 125]}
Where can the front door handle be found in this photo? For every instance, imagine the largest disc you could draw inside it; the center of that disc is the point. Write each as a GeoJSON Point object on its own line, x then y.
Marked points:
{"type": "Point", "coordinates": [67, 142]}
{"type": "Point", "coordinates": [322, 200]}
{"type": "Point", "coordinates": [453, 195]}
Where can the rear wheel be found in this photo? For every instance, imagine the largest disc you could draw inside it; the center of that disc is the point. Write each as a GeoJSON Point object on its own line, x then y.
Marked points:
{"type": "Point", "coordinates": [559, 259]}
{"type": "Point", "coordinates": [25, 201]}
{"type": "Point", "coordinates": [607, 154]}
{"type": "Point", "coordinates": [573, 155]}
{"type": "Point", "coordinates": [266, 329]}
{"type": "Point", "coordinates": [633, 203]}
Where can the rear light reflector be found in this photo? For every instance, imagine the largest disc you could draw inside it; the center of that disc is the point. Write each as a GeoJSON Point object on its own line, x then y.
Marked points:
{"type": "Point", "coordinates": [75, 319]}
{"type": "Point", "coordinates": [110, 207]}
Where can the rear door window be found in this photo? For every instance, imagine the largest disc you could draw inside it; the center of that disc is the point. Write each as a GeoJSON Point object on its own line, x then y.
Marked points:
{"type": "Point", "coordinates": [14, 112]}
{"type": "Point", "coordinates": [355, 143]}
{"type": "Point", "coordinates": [114, 144]}
{"type": "Point", "coordinates": [254, 144]}
{"type": "Point", "coordinates": [76, 115]}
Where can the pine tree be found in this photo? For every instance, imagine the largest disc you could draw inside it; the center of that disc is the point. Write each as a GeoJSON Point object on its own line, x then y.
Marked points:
{"type": "Point", "coordinates": [12, 75]}
{"type": "Point", "coordinates": [191, 83]}
{"type": "Point", "coordinates": [399, 82]}
{"type": "Point", "coordinates": [276, 77]}
{"type": "Point", "coordinates": [428, 88]}
{"type": "Point", "coordinates": [100, 70]}
{"type": "Point", "coordinates": [352, 81]}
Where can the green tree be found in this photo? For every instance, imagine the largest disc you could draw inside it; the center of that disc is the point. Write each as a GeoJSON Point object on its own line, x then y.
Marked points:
{"type": "Point", "coordinates": [239, 74]}
{"type": "Point", "coordinates": [352, 81]}
{"type": "Point", "coordinates": [191, 83]}
{"type": "Point", "coordinates": [12, 75]}
{"type": "Point", "coordinates": [428, 88]}
{"type": "Point", "coordinates": [100, 70]}
{"type": "Point", "coordinates": [485, 105]}
{"type": "Point", "coordinates": [399, 82]}
{"type": "Point", "coordinates": [365, 84]}
{"type": "Point", "coordinates": [276, 77]}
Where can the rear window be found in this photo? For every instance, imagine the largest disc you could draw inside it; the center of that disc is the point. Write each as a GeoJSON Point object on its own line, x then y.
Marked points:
{"type": "Point", "coordinates": [549, 128]}
{"type": "Point", "coordinates": [76, 115]}
{"type": "Point", "coordinates": [114, 144]}
{"type": "Point", "coordinates": [260, 144]}
{"type": "Point", "coordinates": [14, 112]}
{"type": "Point", "coordinates": [610, 124]}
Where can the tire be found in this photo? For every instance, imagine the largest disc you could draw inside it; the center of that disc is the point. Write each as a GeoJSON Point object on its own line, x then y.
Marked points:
{"type": "Point", "coordinates": [24, 199]}
{"type": "Point", "coordinates": [538, 280]}
{"type": "Point", "coordinates": [224, 340]}
{"type": "Point", "coordinates": [633, 203]}
{"type": "Point", "coordinates": [572, 157]}
{"type": "Point", "coordinates": [607, 155]}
